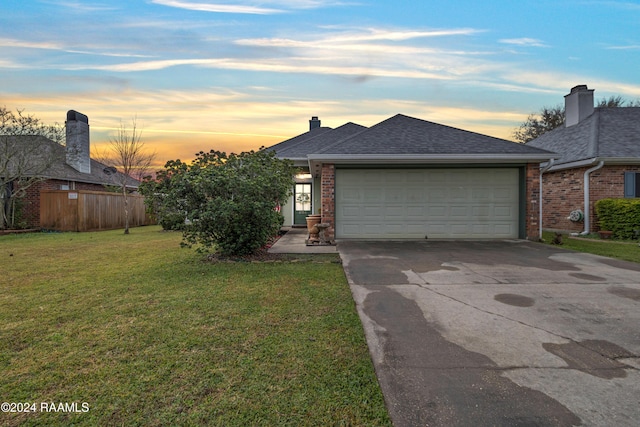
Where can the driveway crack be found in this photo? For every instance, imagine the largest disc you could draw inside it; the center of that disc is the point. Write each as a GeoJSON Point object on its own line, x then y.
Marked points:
{"type": "Point", "coordinates": [426, 287]}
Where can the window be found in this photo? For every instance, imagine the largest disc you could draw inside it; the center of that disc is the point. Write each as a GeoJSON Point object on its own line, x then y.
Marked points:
{"type": "Point", "coordinates": [632, 184]}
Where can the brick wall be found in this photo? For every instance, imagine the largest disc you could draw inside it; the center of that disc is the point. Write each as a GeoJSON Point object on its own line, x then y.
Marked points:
{"type": "Point", "coordinates": [532, 195]}
{"type": "Point", "coordinates": [563, 193]}
{"type": "Point", "coordinates": [327, 185]}
{"type": "Point", "coordinates": [31, 202]}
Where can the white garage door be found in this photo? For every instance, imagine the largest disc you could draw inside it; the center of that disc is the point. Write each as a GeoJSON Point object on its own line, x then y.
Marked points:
{"type": "Point", "coordinates": [437, 203]}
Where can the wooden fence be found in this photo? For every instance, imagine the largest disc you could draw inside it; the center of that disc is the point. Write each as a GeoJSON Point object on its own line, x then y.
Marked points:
{"type": "Point", "coordinates": [80, 210]}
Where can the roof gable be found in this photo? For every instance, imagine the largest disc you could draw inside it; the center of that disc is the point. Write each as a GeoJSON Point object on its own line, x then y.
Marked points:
{"type": "Point", "coordinates": [610, 132]}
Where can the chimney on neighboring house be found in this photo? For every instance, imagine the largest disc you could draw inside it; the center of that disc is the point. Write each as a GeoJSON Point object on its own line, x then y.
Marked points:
{"type": "Point", "coordinates": [77, 126]}
{"type": "Point", "coordinates": [578, 105]}
{"type": "Point", "coordinates": [314, 123]}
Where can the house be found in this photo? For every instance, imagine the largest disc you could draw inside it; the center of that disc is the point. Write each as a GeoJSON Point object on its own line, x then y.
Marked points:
{"type": "Point", "coordinates": [598, 157]}
{"type": "Point", "coordinates": [407, 178]}
{"type": "Point", "coordinates": [60, 167]}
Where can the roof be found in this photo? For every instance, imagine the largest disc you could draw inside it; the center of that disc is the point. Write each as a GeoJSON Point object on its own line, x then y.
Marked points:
{"type": "Point", "coordinates": [404, 139]}
{"type": "Point", "coordinates": [316, 142]}
{"type": "Point", "coordinates": [402, 134]}
{"type": "Point", "coordinates": [285, 148]}
{"type": "Point", "coordinates": [610, 133]}
{"type": "Point", "coordinates": [58, 167]}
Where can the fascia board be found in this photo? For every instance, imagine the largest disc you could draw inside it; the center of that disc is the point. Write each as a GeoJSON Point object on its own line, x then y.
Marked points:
{"type": "Point", "coordinates": [429, 159]}
{"type": "Point", "coordinates": [593, 161]}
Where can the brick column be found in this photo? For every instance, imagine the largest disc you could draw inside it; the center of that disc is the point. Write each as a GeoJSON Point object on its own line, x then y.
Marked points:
{"type": "Point", "coordinates": [328, 183]}
{"type": "Point", "coordinates": [532, 191]}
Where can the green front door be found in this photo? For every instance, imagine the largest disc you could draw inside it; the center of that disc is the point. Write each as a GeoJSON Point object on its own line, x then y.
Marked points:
{"type": "Point", "coordinates": [302, 207]}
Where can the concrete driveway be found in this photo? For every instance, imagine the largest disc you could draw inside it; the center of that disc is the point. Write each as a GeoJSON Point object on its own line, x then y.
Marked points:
{"type": "Point", "coordinates": [507, 333]}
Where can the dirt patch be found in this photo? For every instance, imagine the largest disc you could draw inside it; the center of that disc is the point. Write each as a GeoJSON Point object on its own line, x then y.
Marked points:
{"type": "Point", "coordinates": [263, 256]}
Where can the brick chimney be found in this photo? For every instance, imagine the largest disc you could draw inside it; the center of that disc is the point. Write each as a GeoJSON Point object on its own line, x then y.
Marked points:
{"type": "Point", "coordinates": [314, 123]}
{"type": "Point", "coordinates": [578, 105]}
{"type": "Point", "coordinates": [77, 126]}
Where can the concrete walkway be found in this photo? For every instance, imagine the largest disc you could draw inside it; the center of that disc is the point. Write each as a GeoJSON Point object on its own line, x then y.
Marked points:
{"type": "Point", "coordinates": [294, 243]}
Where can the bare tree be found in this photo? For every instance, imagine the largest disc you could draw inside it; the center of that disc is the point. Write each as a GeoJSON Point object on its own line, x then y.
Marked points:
{"type": "Point", "coordinates": [126, 153]}
{"type": "Point", "coordinates": [27, 150]}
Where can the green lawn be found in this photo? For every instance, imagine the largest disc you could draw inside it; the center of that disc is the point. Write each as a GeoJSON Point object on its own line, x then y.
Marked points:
{"type": "Point", "coordinates": [146, 333]}
{"type": "Point", "coordinates": [628, 251]}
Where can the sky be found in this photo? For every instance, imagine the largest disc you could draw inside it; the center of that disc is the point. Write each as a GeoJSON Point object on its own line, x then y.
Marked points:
{"type": "Point", "coordinates": [237, 75]}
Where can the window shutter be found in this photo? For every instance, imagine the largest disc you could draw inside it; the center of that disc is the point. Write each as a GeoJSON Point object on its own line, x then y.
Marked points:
{"type": "Point", "coordinates": [629, 184]}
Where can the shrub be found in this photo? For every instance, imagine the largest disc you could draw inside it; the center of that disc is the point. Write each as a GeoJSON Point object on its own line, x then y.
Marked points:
{"type": "Point", "coordinates": [230, 201]}
{"type": "Point", "coordinates": [620, 216]}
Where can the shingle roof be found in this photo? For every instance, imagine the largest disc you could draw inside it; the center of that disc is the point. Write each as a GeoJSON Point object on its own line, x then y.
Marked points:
{"type": "Point", "coordinates": [404, 139]}
{"type": "Point", "coordinates": [59, 169]}
{"type": "Point", "coordinates": [610, 132]}
{"type": "Point", "coordinates": [319, 142]}
{"type": "Point", "coordinates": [284, 148]}
{"type": "Point", "coordinates": [406, 135]}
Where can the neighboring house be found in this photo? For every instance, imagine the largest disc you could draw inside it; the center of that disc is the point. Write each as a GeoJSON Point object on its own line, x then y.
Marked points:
{"type": "Point", "coordinates": [598, 157]}
{"type": "Point", "coordinates": [69, 167]}
{"type": "Point", "coordinates": [407, 178]}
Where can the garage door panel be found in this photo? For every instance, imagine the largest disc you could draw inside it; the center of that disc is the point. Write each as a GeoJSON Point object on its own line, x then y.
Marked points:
{"type": "Point", "coordinates": [438, 203]}
{"type": "Point", "coordinates": [351, 212]}
{"type": "Point", "coordinates": [371, 195]}
{"type": "Point", "coordinates": [415, 213]}
{"type": "Point", "coordinates": [503, 212]}
{"type": "Point", "coordinates": [371, 212]}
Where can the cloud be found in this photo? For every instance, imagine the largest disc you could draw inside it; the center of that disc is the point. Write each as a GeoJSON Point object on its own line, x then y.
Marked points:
{"type": "Point", "coordinates": [81, 7]}
{"type": "Point", "coordinates": [29, 44]}
{"type": "Point", "coordinates": [24, 44]}
{"type": "Point", "coordinates": [278, 6]}
{"type": "Point", "coordinates": [524, 41]}
{"type": "Point", "coordinates": [627, 47]}
{"type": "Point", "coordinates": [218, 8]}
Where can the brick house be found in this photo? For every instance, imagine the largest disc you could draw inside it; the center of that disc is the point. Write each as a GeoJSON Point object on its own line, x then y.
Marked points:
{"type": "Point", "coordinates": [598, 157]}
{"type": "Point", "coordinates": [407, 178]}
{"type": "Point", "coordinates": [67, 167]}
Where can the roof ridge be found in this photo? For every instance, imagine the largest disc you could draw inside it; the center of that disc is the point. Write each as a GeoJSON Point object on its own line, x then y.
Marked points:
{"type": "Point", "coordinates": [302, 140]}
{"type": "Point", "coordinates": [346, 138]}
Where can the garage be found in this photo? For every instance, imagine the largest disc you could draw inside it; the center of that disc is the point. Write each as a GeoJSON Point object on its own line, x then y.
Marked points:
{"type": "Point", "coordinates": [439, 203]}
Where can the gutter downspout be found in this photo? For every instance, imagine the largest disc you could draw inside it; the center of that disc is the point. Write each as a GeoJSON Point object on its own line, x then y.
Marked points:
{"type": "Point", "coordinates": [542, 170]}
{"type": "Point", "coordinates": [587, 216]}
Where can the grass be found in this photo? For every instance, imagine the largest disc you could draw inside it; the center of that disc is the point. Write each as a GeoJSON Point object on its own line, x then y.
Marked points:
{"type": "Point", "coordinates": [146, 333]}
{"type": "Point", "coordinates": [628, 251]}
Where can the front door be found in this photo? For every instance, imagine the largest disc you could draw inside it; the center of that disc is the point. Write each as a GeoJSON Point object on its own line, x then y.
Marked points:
{"type": "Point", "coordinates": [302, 198]}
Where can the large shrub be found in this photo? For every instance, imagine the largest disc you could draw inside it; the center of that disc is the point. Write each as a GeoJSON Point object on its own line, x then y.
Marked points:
{"type": "Point", "coordinates": [229, 201]}
{"type": "Point", "coordinates": [620, 216]}
{"type": "Point", "coordinates": [160, 195]}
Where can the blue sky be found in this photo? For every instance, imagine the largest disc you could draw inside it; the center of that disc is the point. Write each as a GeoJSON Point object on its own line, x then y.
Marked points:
{"type": "Point", "coordinates": [236, 75]}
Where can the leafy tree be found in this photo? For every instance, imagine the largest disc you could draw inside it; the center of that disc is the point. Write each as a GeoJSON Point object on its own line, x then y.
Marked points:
{"type": "Point", "coordinates": [229, 201]}
{"type": "Point", "coordinates": [160, 195]}
{"type": "Point", "coordinates": [549, 118]}
{"type": "Point", "coordinates": [26, 152]}
{"type": "Point", "coordinates": [127, 154]}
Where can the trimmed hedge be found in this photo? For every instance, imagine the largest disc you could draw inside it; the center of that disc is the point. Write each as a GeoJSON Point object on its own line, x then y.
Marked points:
{"type": "Point", "coordinates": [620, 216]}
